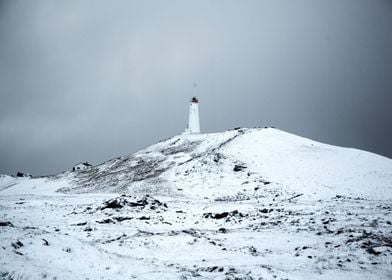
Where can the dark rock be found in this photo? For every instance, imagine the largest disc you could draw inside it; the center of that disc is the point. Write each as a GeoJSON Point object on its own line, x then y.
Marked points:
{"type": "Point", "coordinates": [222, 230]}
{"type": "Point", "coordinates": [123, 236]}
{"type": "Point", "coordinates": [192, 232]}
{"type": "Point", "coordinates": [253, 251]}
{"type": "Point", "coordinates": [80, 224]}
{"type": "Point", "coordinates": [88, 229]}
{"type": "Point", "coordinates": [371, 250]}
{"type": "Point", "coordinates": [144, 218]}
{"type": "Point", "coordinates": [113, 204]}
{"type": "Point", "coordinates": [217, 157]}
{"type": "Point", "coordinates": [339, 231]}
{"type": "Point", "coordinates": [213, 268]}
{"type": "Point", "coordinates": [120, 219]}
{"type": "Point", "coordinates": [239, 167]}
{"type": "Point", "coordinates": [237, 197]}
{"type": "Point", "coordinates": [46, 243]}
{"type": "Point", "coordinates": [216, 216]}
{"type": "Point", "coordinates": [18, 244]}
{"type": "Point", "coordinates": [6, 224]}
{"type": "Point", "coordinates": [124, 200]}
{"type": "Point", "coordinates": [222, 215]}
{"type": "Point", "coordinates": [29, 227]}
{"type": "Point", "coordinates": [106, 221]}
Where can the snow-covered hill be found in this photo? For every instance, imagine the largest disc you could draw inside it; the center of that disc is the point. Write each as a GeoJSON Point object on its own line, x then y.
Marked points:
{"type": "Point", "coordinates": [243, 204]}
{"type": "Point", "coordinates": [204, 165]}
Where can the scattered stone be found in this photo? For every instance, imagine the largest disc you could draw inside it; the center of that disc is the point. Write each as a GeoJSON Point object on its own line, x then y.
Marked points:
{"type": "Point", "coordinates": [123, 236]}
{"type": "Point", "coordinates": [339, 231]}
{"type": "Point", "coordinates": [265, 210]}
{"type": "Point", "coordinates": [130, 201]}
{"type": "Point", "coordinates": [192, 232]}
{"type": "Point", "coordinates": [6, 224]}
{"type": "Point", "coordinates": [253, 251]}
{"type": "Point", "coordinates": [106, 221]}
{"type": "Point", "coordinates": [30, 227]}
{"type": "Point", "coordinates": [120, 219]}
{"type": "Point", "coordinates": [144, 218]}
{"type": "Point", "coordinates": [80, 224]}
{"type": "Point", "coordinates": [239, 167]}
{"type": "Point", "coordinates": [18, 244]}
{"type": "Point", "coordinates": [295, 196]}
{"type": "Point", "coordinates": [211, 269]}
{"type": "Point", "coordinates": [46, 243]}
{"type": "Point", "coordinates": [216, 216]}
{"type": "Point", "coordinates": [222, 230]}
{"type": "Point", "coordinates": [88, 229]}
{"type": "Point", "coordinates": [371, 250]}
{"type": "Point", "coordinates": [233, 198]}
{"type": "Point", "coordinates": [217, 157]}
{"type": "Point", "coordinates": [223, 215]}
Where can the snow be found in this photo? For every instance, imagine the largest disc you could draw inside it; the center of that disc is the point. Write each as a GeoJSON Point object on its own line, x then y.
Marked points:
{"type": "Point", "coordinates": [293, 209]}
{"type": "Point", "coordinates": [313, 168]}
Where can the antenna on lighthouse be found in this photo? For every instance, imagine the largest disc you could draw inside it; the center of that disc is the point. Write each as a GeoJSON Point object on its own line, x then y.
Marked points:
{"type": "Point", "coordinates": [194, 89]}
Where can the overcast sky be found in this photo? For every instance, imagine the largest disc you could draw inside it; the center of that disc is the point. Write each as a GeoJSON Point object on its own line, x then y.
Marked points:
{"type": "Point", "coordinates": [93, 80]}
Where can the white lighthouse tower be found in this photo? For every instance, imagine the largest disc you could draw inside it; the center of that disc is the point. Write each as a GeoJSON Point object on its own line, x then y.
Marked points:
{"type": "Point", "coordinates": [193, 123]}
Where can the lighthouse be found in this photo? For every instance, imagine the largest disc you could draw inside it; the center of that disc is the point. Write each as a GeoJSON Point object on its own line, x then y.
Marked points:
{"type": "Point", "coordinates": [193, 123]}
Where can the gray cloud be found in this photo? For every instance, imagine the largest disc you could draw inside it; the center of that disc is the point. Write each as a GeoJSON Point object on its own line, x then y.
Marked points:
{"type": "Point", "coordinates": [91, 80]}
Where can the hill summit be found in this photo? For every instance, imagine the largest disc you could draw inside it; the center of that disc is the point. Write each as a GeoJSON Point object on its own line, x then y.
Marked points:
{"type": "Point", "coordinates": [217, 164]}
{"type": "Point", "coordinates": [221, 164]}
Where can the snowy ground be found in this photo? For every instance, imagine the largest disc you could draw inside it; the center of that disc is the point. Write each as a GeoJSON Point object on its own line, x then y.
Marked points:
{"type": "Point", "coordinates": [66, 237]}
{"type": "Point", "coordinates": [290, 208]}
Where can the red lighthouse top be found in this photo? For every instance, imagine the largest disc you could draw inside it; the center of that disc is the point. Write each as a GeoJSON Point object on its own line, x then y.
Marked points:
{"type": "Point", "coordinates": [194, 100]}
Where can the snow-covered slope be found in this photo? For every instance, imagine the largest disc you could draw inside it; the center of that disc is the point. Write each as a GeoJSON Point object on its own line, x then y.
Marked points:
{"type": "Point", "coordinates": [242, 204]}
{"type": "Point", "coordinates": [203, 165]}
